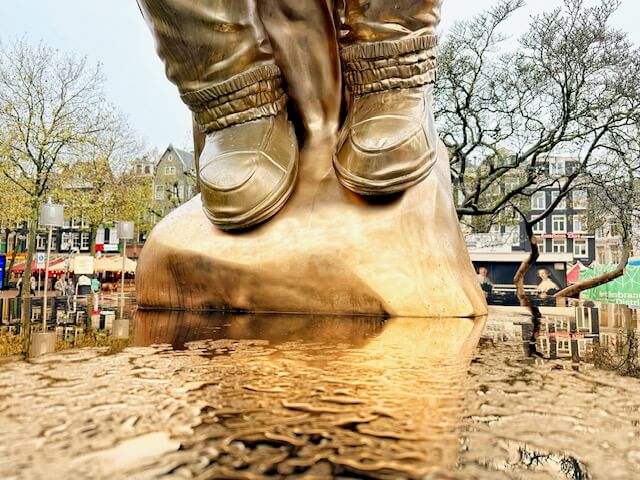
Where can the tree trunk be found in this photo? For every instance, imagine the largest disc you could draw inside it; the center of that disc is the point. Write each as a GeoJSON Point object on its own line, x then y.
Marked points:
{"type": "Point", "coordinates": [14, 252]}
{"type": "Point", "coordinates": [93, 233]}
{"type": "Point", "coordinates": [26, 276]}
{"type": "Point", "coordinates": [524, 267]}
{"type": "Point", "coordinates": [576, 288]}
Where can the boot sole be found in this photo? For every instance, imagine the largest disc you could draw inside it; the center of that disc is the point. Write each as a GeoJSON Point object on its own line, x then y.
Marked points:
{"type": "Point", "coordinates": [367, 187]}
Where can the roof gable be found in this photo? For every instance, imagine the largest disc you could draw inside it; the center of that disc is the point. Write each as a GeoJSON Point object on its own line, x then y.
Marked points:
{"type": "Point", "coordinates": [186, 158]}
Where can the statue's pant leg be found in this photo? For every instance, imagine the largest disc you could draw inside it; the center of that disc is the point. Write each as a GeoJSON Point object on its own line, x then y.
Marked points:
{"type": "Point", "coordinates": [378, 20]}
{"type": "Point", "coordinates": [218, 54]}
{"type": "Point", "coordinates": [387, 48]}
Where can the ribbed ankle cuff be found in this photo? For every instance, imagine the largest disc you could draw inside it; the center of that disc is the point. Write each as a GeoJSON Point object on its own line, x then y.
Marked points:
{"type": "Point", "coordinates": [248, 96]}
{"type": "Point", "coordinates": [379, 66]}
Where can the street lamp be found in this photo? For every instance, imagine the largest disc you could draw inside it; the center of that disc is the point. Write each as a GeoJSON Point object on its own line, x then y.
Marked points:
{"type": "Point", "coordinates": [51, 215]}
{"type": "Point", "coordinates": [125, 232]}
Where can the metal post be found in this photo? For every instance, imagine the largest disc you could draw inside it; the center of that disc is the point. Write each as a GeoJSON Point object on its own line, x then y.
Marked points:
{"type": "Point", "coordinates": [46, 282]}
{"type": "Point", "coordinates": [124, 256]}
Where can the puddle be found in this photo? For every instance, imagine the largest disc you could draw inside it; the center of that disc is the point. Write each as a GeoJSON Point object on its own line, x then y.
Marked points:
{"type": "Point", "coordinates": [249, 397]}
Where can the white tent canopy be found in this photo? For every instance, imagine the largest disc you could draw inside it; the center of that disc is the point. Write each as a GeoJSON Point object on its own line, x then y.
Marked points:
{"type": "Point", "coordinates": [113, 263]}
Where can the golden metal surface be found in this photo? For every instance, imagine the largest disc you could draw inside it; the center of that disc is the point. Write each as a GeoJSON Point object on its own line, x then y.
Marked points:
{"type": "Point", "coordinates": [247, 171]}
{"type": "Point", "coordinates": [328, 250]}
{"type": "Point", "coordinates": [232, 60]}
{"type": "Point", "coordinates": [388, 142]}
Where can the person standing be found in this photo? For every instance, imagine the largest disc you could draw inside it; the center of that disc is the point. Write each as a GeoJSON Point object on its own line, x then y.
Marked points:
{"type": "Point", "coordinates": [84, 285]}
{"type": "Point", "coordinates": [60, 287]}
{"type": "Point", "coordinates": [485, 282]}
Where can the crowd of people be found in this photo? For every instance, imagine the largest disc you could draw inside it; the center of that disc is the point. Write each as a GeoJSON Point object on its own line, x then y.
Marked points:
{"type": "Point", "coordinates": [64, 286]}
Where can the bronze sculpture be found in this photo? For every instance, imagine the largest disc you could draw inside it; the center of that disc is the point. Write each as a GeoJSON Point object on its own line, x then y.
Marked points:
{"type": "Point", "coordinates": [219, 55]}
{"type": "Point", "coordinates": [245, 67]}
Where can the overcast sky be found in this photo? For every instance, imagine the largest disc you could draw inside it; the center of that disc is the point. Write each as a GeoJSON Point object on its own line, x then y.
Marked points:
{"type": "Point", "coordinates": [113, 33]}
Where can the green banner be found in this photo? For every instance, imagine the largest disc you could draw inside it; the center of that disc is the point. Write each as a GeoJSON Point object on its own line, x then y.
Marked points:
{"type": "Point", "coordinates": [623, 290]}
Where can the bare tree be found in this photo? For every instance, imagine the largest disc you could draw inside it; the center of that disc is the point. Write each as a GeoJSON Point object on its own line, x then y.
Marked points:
{"type": "Point", "coordinates": [572, 82]}
{"type": "Point", "coordinates": [50, 105]}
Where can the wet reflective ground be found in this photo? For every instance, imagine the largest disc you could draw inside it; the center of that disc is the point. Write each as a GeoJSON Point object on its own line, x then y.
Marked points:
{"type": "Point", "coordinates": [320, 397]}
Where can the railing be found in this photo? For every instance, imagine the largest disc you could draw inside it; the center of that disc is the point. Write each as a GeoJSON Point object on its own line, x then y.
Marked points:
{"type": "Point", "coordinates": [65, 313]}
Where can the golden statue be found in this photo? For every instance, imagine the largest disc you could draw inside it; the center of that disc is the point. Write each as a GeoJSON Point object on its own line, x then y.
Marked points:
{"type": "Point", "coordinates": [244, 68]}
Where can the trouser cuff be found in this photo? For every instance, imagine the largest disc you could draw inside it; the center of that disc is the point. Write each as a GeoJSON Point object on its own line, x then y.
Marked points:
{"type": "Point", "coordinates": [248, 96]}
{"type": "Point", "coordinates": [379, 66]}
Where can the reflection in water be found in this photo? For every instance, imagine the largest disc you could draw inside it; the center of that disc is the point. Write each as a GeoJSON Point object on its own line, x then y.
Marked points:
{"type": "Point", "coordinates": [247, 396]}
{"type": "Point", "coordinates": [604, 335]}
{"type": "Point", "coordinates": [323, 396]}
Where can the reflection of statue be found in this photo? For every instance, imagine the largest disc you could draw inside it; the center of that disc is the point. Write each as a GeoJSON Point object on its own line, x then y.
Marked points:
{"type": "Point", "coordinates": [546, 285]}
{"type": "Point", "coordinates": [265, 81]}
{"type": "Point", "coordinates": [367, 397]}
{"type": "Point", "coordinates": [221, 56]}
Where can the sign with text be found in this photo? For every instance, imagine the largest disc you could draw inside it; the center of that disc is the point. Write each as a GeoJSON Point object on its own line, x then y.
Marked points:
{"type": "Point", "coordinates": [577, 236]}
{"type": "Point", "coordinates": [622, 290]}
{"type": "Point", "coordinates": [83, 265]}
{"type": "Point", "coordinates": [41, 260]}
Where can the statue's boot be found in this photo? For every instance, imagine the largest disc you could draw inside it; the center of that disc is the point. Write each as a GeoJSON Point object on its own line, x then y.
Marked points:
{"type": "Point", "coordinates": [220, 58]}
{"type": "Point", "coordinates": [247, 171]}
{"type": "Point", "coordinates": [388, 140]}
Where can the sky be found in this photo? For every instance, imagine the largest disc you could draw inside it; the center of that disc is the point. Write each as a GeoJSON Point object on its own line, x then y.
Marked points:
{"type": "Point", "coordinates": [117, 37]}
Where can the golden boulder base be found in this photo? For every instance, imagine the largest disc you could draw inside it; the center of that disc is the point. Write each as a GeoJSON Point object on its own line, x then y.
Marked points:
{"type": "Point", "coordinates": [327, 251]}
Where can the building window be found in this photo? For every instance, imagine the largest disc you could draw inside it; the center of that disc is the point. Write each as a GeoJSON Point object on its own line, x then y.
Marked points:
{"type": "Point", "coordinates": [510, 186]}
{"type": "Point", "coordinates": [538, 227]}
{"type": "Point", "coordinates": [543, 344]}
{"type": "Point", "coordinates": [579, 198]}
{"type": "Point", "coordinates": [542, 245]}
{"type": "Point", "coordinates": [584, 347]}
{"type": "Point", "coordinates": [41, 243]}
{"type": "Point", "coordinates": [578, 224]}
{"type": "Point", "coordinates": [562, 325]}
{"type": "Point", "coordinates": [171, 170]}
{"type": "Point", "coordinates": [558, 224]}
{"type": "Point", "coordinates": [515, 236]}
{"type": "Point", "coordinates": [580, 248]}
{"type": "Point", "coordinates": [159, 192]}
{"type": "Point", "coordinates": [556, 167]}
{"type": "Point", "coordinates": [147, 170]}
{"type": "Point", "coordinates": [563, 203]}
{"type": "Point", "coordinates": [69, 240]}
{"type": "Point", "coordinates": [559, 245]}
{"type": "Point", "coordinates": [538, 201]}
{"type": "Point", "coordinates": [563, 346]}
{"type": "Point", "coordinates": [84, 241]}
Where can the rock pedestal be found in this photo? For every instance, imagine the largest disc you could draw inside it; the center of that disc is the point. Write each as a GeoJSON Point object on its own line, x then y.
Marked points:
{"type": "Point", "coordinates": [327, 251]}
